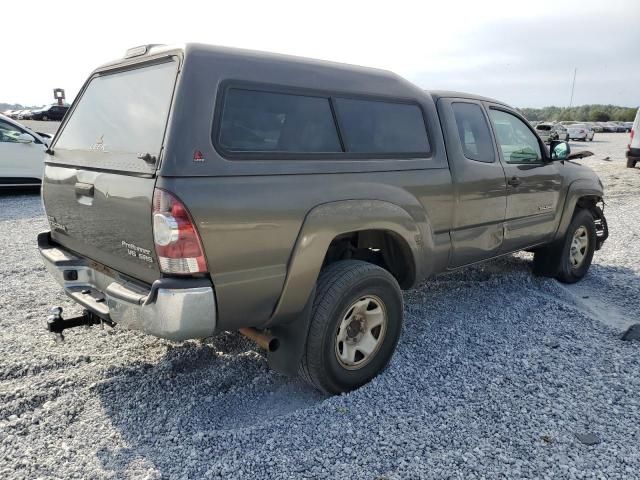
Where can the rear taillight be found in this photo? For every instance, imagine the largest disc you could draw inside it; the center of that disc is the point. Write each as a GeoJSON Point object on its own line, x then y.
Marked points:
{"type": "Point", "coordinates": [178, 244]}
{"type": "Point", "coordinates": [631, 139]}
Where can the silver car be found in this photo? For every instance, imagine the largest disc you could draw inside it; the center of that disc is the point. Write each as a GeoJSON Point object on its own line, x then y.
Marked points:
{"type": "Point", "coordinates": [580, 131]}
{"type": "Point", "coordinates": [562, 132]}
{"type": "Point", "coordinates": [546, 132]}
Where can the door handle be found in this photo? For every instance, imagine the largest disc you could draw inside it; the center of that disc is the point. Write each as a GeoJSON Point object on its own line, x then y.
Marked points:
{"type": "Point", "coordinates": [514, 181]}
{"type": "Point", "coordinates": [84, 189]}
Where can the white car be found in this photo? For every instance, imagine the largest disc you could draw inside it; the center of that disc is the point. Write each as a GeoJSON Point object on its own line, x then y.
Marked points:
{"type": "Point", "coordinates": [21, 154]}
{"type": "Point", "coordinates": [580, 131]}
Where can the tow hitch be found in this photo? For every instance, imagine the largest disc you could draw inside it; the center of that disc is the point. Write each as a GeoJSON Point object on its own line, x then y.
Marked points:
{"type": "Point", "coordinates": [56, 324]}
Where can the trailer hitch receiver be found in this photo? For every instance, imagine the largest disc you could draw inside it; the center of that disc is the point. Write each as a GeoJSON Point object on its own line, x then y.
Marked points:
{"type": "Point", "coordinates": [56, 324]}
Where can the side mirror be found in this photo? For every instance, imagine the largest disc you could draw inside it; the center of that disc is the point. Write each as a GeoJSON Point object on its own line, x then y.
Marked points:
{"type": "Point", "coordinates": [24, 138]}
{"type": "Point", "coordinates": [559, 150]}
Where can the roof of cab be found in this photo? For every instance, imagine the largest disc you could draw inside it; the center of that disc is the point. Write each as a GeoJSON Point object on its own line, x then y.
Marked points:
{"type": "Point", "coordinates": [437, 94]}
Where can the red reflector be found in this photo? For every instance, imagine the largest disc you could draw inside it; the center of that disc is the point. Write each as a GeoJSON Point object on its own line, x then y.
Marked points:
{"type": "Point", "coordinates": [198, 156]}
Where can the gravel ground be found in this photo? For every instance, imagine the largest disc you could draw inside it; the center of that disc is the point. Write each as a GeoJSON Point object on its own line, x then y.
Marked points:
{"type": "Point", "coordinates": [496, 375]}
{"type": "Point", "coordinates": [40, 126]}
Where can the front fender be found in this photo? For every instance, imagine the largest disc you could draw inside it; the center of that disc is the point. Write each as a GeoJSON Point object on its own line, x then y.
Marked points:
{"type": "Point", "coordinates": [577, 189]}
{"type": "Point", "coordinates": [321, 225]}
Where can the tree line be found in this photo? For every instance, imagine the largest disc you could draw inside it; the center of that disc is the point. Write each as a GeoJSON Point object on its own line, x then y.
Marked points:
{"type": "Point", "coordinates": [584, 113]}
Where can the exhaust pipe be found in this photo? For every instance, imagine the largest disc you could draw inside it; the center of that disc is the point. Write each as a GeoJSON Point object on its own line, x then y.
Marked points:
{"type": "Point", "coordinates": [263, 340]}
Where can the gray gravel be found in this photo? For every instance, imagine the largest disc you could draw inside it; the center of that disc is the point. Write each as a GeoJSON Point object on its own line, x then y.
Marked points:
{"type": "Point", "coordinates": [498, 375]}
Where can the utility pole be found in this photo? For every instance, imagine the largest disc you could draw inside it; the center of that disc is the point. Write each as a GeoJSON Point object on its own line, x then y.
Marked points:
{"type": "Point", "coordinates": [573, 86]}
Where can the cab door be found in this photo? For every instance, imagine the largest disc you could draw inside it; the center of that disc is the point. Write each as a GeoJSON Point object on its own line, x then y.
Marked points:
{"type": "Point", "coordinates": [478, 181]}
{"type": "Point", "coordinates": [533, 183]}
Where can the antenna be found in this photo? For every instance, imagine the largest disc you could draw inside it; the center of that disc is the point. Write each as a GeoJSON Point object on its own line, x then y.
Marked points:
{"type": "Point", "coordinates": [573, 86]}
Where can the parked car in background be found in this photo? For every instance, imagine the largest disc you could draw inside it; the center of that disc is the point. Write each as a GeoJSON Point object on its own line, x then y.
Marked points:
{"type": "Point", "coordinates": [633, 149]}
{"type": "Point", "coordinates": [580, 131]}
{"type": "Point", "coordinates": [22, 154]}
{"type": "Point", "coordinates": [50, 112]}
{"type": "Point", "coordinates": [595, 127]}
{"type": "Point", "coordinates": [21, 113]}
{"type": "Point", "coordinates": [562, 132]}
{"type": "Point", "coordinates": [625, 126]}
{"type": "Point", "coordinates": [546, 132]}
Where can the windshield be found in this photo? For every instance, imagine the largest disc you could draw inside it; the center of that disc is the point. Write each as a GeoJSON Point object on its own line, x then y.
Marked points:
{"type": "Point", "coordinates": [122, 113]}
{"type": "Point", "coordinates": [543, 127]}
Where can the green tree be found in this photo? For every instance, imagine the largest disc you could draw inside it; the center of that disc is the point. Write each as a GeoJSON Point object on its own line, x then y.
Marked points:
{"type": "Point", "coordinates": [599, 116]}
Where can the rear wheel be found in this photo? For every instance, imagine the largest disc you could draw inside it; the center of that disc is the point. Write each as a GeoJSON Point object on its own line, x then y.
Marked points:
{"type": "Point", "coordinates": [355, 325]}
{"type": "Point", "coordinates": [569, 259]}
{"type": "Point", "coordinates": [631, 163]}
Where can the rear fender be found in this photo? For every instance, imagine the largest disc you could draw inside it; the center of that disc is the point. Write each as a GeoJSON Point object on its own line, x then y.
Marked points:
{"type": "Point", "coordinates": [325, 222]}
{"type": "Point", "coordinates": [291, 318]}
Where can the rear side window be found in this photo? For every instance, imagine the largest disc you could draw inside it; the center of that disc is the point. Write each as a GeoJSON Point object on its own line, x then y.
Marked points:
{"type": "Point", "coordinates": [382, 127]}
{"type": "Point", "coordinates": [256, 121]}
{"type": "Point", "coordinates": [124, 112]}
{"type": "Point", "coordinates": [474, 133]}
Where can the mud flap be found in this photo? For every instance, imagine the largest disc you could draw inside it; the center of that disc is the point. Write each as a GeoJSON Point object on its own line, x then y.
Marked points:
{"type": "Point", "coordinates": [292, 338]}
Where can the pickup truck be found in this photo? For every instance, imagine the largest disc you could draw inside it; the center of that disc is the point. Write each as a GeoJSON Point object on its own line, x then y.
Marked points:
{"type": "Point", "coordinates": [198, 189]}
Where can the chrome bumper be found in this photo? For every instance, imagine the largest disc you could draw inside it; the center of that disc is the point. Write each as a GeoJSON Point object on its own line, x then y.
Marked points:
{"type": "Point", "coordinates": [176, 309]}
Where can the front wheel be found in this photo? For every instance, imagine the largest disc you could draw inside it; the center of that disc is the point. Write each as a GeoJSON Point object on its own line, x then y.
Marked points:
{"type": "Point", "coordinates": [631, 163]}
{"type": "Point", "coordinates": [569, 259]}
{"type": "Point", "coordinates": [356, 322]}
{"type": "Point", "coordinates": [45, 118]}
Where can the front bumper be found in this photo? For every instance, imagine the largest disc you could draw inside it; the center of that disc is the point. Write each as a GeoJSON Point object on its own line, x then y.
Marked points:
{"type": "Point", "coordinates": [172, 308]}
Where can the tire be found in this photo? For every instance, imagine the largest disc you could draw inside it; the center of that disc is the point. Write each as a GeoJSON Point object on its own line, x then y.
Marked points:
{"type": "Point", "coordinates": [556, 260]}
{"type": "Point", "coordinates": [631, 163]}
{"type": "Point", "coordinates": [45, 118]}
{"type": "Point", "coordinates": [340, 287]}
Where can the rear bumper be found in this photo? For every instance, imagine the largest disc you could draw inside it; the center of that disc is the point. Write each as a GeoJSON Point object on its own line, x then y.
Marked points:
{"type": "Point", "coordinates": [634, 154]}
{"type": "Point", "coordinates": [172, 308]}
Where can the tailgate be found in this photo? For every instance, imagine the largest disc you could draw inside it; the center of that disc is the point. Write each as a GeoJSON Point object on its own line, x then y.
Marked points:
{"type": "Point", "coordinates": [103, 216]}
{"type": "Point", "coordinates": [98, 182]}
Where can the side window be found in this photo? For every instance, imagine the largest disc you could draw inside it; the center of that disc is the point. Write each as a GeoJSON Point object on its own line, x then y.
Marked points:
{"type": "Point", "coordinates": [382, 127]}
{"type": "Point", "coordinates": [255, 121]}
{"type": "Point", "coordinates": [473, 130]}
{"type": "Point", "coordinates": [517, 142]}
{"type": "Point", "coordinates": [9, 133]}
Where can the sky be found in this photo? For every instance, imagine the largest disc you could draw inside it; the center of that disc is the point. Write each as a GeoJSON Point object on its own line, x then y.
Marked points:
{"type": "Point", "coordinates": [521, 52]}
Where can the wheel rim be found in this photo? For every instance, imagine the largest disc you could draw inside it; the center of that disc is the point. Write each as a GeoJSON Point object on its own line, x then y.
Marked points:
{"type": "Point", "coordinates": [361, 332]}
{"type": "Point", "coordinates": [579, 247]}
